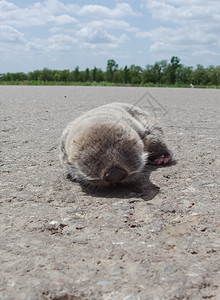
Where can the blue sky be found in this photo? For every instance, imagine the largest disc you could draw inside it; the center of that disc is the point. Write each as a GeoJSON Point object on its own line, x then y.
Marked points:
{"type": "Point", "coordinates": [63, 34]}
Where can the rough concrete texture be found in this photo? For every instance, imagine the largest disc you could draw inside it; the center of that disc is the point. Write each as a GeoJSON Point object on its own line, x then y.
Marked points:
{"type": "Point", "coordinates": [157, 240]}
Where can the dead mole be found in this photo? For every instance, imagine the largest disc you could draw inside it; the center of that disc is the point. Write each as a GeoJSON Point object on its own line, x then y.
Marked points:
{"type": "Point", "coordinates": [111, 144]}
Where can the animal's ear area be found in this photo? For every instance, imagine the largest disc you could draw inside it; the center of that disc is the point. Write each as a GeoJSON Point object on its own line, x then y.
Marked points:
{"type": "Point", "coordinates": [79, 146]}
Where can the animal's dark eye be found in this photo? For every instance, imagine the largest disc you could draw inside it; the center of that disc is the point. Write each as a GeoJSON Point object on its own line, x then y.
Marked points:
{"type": "Point", "coordinates": [144, 134]}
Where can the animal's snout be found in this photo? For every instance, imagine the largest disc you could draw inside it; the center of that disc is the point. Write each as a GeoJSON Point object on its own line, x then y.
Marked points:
{"type": "Point", "coordinates": [115, 175]}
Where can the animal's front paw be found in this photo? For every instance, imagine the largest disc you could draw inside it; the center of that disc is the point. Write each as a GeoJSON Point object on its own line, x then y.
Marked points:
{"type": "Point", "coordinates": [72, 177]}
{"type": "Point", "coordinates": [164, 159]}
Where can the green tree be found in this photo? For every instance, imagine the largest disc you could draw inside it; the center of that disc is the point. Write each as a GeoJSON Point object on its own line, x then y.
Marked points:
{"type": "Point", "coordinates": [172, 69]}
{"type": "Point", "coordinates": [126, 75]}
{"type": "Point", "coordinates": [99, 75]}
{"type": "Point", "coordinates": [47, 74]}
{"type": "Point", "coordinates": [213, 74]}
{"type": "Point", "coordinates": [184, 75]}
{"type": "Point", "coordinates": [158, 72]}
{"type": "Point", "coordinates": [111, 68]}
{"type": "Point", "coordinates": [87, 75]}
{"type": "Point", "coordinates": [135, 74]}
{"type": "Point", "coordinates": [94, 74]}
{"type": "Point", "coordinates": [76, 74]}
{"type": "Point", "coordinates": [64, 75]}
{"type": "Point", "coordinates": [200, 76]}
{"type": "Point", "coordinates": [118, 76]}
{"type": "Point", "coordinates": [147, 74]}
{"type": "Point", "coordinates": [7, 77]}
{"type": "Point", "coordinates": [35, 75]}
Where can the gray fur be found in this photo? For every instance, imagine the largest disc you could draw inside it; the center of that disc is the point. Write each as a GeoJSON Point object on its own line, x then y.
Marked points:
{"type": "Point", "coordinates": [113, 135]}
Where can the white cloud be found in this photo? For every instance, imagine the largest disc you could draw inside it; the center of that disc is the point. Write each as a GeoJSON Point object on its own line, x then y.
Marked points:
{"type": "Point", "coordinates": [39, 14]}
{"type": "Point", "coordinates": [179, 36]}
{"type": "Point", "coordinates": [191, 27]}
{"type": "Point", "coordinates": [7, 6]}
{"type": "Point", "coordinates": [105, 30]}
{"type": "Point", "coordinates": [61, 42]}
{"type": "Point", "coordinates": [11, 35]}
{"type": "Point", "coordinates": [11, 42]}
{"type": "Point", "coordinates": [181, 11]}
{"type": "Point", "coordinates": [98, 11]}
{"type": "Point", "coordinates": [93, 36]}
{"type": "Point", "coordinates": [112, 24]}
{"type": "Point", "coordinates": [55, 29]}
{"type": "Point", "coordinates": [57, 42]}
{"type": "Point", "coordinates": [62, 20]}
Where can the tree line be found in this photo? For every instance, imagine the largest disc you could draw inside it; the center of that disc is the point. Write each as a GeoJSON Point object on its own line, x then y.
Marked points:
{"type": "Point", "coordinates": [160, 73]}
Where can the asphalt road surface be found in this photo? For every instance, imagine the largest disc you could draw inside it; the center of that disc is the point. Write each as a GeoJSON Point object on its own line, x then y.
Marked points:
{"type": "Point", "coordinates": [157, 240]}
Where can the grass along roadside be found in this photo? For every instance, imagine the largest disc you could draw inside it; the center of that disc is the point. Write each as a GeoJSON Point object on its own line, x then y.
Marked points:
{"type": "Point", "coordinates": [102, 83]}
